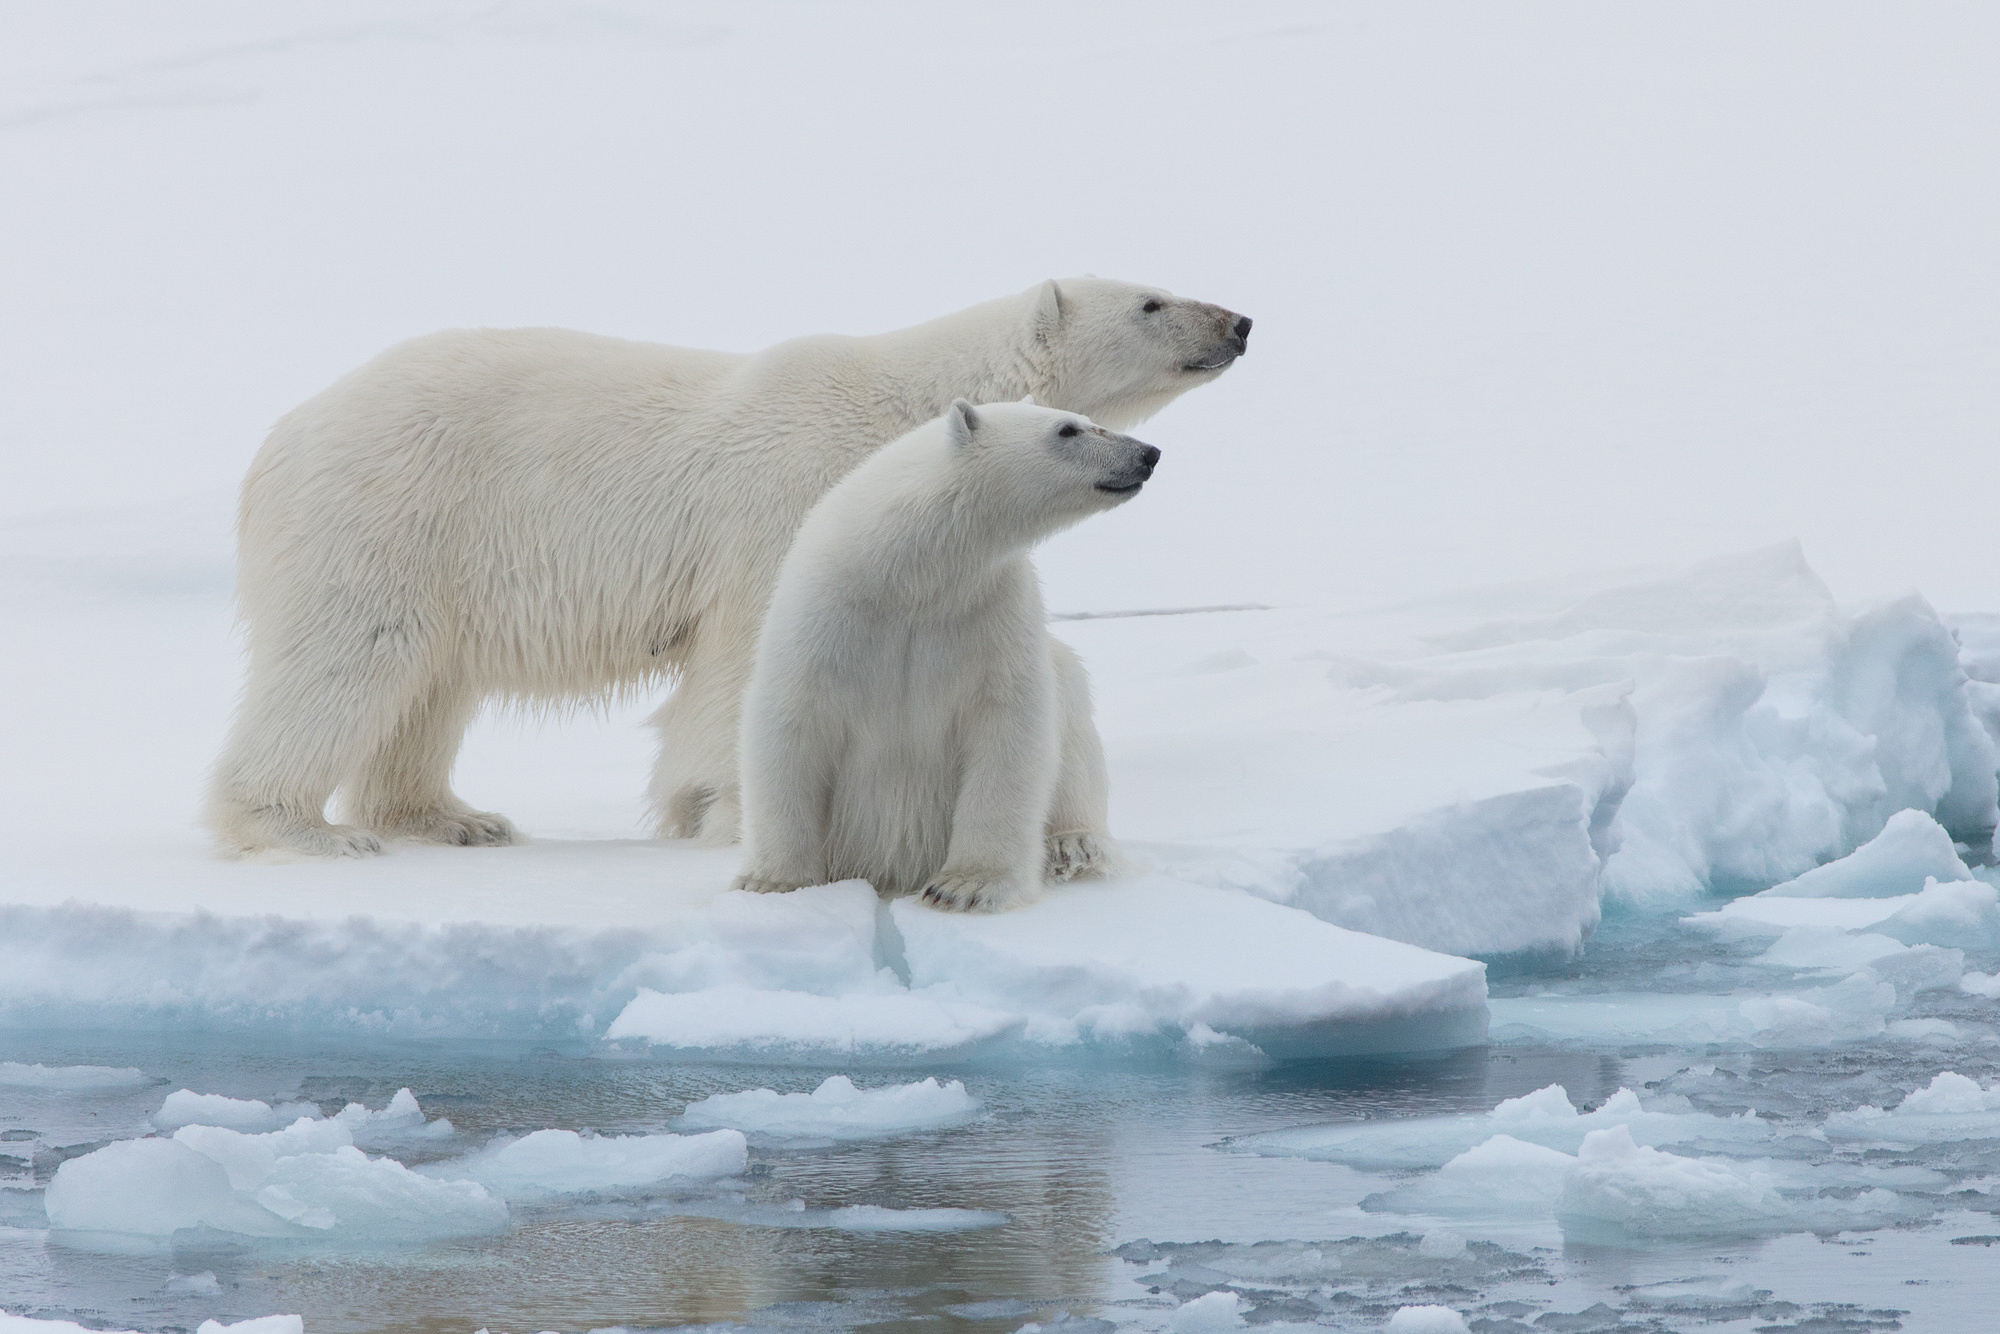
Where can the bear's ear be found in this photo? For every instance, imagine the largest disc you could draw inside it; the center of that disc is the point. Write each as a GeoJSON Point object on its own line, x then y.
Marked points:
{"type": "Point", "coordinates": [961, 419]}
{"type": "Point", "coordinates": [1029, 400]}
{"type": "Point", "coordinates": [1049, 310]}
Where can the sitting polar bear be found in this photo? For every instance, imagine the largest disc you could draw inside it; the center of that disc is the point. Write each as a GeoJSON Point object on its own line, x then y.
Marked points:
{"type": "Point", "coordinates": [906, 719]}
{"type": "Point", "coordinates": [547, 516]}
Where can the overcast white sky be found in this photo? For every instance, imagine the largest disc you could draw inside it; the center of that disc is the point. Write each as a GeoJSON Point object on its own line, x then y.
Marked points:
{"type": "Point", "coordinates": [1538, 287]}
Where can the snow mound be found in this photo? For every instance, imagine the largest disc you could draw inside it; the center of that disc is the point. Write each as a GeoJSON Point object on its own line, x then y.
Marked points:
{"type": "Point", "coordinates": [1911, 849]}
{"type": "Point", "coordinates": [739, 1024]}
{"type": "Point", "coordinates": [1153, 957]}
{"type": "Point", "coordinates": [69, 1078]}
{"type": "Point", "coordinates": [1427, 1320]}
{"type": "Point", "coordinates": [836, 1110]}
{"type": "Point", "coordinates": [549, 1163]}
{"type": "Point", "coordinates": [188, 1108]}
{"type": "Point", "coordinates": [305, 1181]}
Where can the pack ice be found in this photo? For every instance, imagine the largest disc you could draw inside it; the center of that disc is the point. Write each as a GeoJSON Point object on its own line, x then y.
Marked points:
{"type": "Point", "coordinates": [1339, 815]}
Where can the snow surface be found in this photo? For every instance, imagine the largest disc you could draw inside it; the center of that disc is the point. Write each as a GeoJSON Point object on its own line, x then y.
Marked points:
{"type": "Point", "coordinates": [836, 1110]}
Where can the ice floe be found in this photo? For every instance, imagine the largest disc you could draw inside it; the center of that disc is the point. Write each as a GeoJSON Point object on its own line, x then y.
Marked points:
{"type": "Point", "coordinates": [305, 1181]}
{"type": "Point", "coordinates": [549, 1163]}
{"type": "Point", "coordinates": [69, 1078]}
{"type": "Point", "coordinates": [836, 1110]}
{"type": "Point", "coordinates": [187, 1108]}
{"type": "Point", "coordinates": [268, 1324]}
{"type": "Point", "coordinates": [1429, 1319]}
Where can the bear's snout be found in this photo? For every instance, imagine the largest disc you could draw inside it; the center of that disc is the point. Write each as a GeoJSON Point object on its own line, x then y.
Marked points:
{"type": "Point", "coordinates": [1242, 334]}
{"type": "Point", "coordinates": [1148, 456]}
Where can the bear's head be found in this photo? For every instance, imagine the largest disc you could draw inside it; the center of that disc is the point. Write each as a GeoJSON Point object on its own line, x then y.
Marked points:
{"type": "Point", "coordinates": [1037, 470]}
{"type": "Point", "coordinates": [1118, 352]}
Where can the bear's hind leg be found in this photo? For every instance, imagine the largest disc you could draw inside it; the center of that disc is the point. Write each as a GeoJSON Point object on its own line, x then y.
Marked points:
{"type": "Point", "coordinates": [405, 790]}
{"type": "Point", "coordinates": [695, 792]}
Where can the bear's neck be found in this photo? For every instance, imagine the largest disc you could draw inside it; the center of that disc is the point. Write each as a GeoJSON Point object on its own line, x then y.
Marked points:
{"type": "Point", "coordinates": [984, 355]}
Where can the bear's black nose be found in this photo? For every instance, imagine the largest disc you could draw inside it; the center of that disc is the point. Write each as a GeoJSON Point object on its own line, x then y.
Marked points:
{"type": "Point", "coordinates": [1243, 331]}
{"type": "Point", "coordinates": [1148, 456]}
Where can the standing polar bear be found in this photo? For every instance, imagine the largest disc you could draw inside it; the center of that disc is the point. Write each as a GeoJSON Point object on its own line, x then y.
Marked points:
{"type": "Point", "coordinates": [906, 719]}
{"type": "Point", "coordinates": [548, 516]}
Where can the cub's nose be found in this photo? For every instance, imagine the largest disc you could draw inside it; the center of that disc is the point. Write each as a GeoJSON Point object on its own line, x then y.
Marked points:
{"type": "Point", "coordinates": [1242, 331]}
{"type": "Point", "coordinates": [1148, 456]}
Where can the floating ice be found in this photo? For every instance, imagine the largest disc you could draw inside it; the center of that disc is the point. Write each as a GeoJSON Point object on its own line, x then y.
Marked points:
{"type": "Point", "coordinates": [1544, 1118]}
{"type": "Point", "coordinates": [307, 1180]}
{"type": "Point", "coordinates": [204, 1284]}
{"type": "Point", "coordinates": [877, 1218]}
{"type": "Point", "coordinates": [69, 1078]}
{"type": "Point", "coordinates": [187, 1108]}
{"type": "Point", "coordinates": [1502, 1177]}
{"type": "Point", "coordinates": [1951, 1107]}
{"type": "Point", "coordinates": [836, 1110]}
{"type": "Point", "coordinates": [1427, 1320]}
{"type": "Point", "coordinates": [1211, 1313]}
{"type": "Point", "coordinates": [1152, 957]}
{"type": "Point", "coordinates": [402, 1121]}
{"type": "Point", "coordinates": [1911, 849]}
{"type": "Point", "coordinates": [562, 1162]}
{"type": "Point", "coordinates": [741, 1024]}
{"type": "Point", "coordinates": [269, 1324]}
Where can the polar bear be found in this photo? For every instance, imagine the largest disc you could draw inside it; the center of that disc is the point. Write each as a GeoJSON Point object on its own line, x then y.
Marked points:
{"type": "Point", "coordinates": [905, 720]}
{"type": "Point", "coordinates": [549, 516]}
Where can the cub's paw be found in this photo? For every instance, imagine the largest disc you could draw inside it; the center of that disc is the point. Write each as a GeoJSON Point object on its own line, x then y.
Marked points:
{"type": "Point", "coordinates": [750, 884]}
{"type": "Point", "coordinates": [1082, 856]}
{"type": "Point", "coordinates": [975, 891]}
{"type": "Point", "coordinates": [458, 829]}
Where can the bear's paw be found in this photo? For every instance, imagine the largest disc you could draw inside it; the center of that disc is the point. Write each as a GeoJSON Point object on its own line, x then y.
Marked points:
{"type": "Point", "coordinates": [975, 891]}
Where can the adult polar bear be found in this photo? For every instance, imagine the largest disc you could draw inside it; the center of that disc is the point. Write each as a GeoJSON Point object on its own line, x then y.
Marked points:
{"type": "Point", "coordinates": [549, 515]}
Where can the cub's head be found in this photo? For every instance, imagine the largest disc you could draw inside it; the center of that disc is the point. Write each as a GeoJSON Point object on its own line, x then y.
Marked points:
{"type": "Point", "coordinates": [1118, 352]}
{"type": "Point", "coordinates": [1038, 469]}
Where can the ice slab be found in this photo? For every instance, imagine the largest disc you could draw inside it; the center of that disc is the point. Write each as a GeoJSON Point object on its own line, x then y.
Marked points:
{"type": "Point", "coordinates": [306, 1181]}
{"type": "Point", "coordinates": [1911, 849]}
{"type": "Point", "coordinates": [1150, 957]}
{"type": "Point", "coordinates": [836, 1110]}
{"type": "Point", "coordinates": [1428, 1319]}
{"type": "Point", "coordinates": [69, 1078]}
{"type": "Point", "coordinates": [550, 1163]}
{"type": "Point", "coordinates": [185, 1107]}
{"type": "Point", "coordinates": [740, 1024]}
{"type": "Point", "coordinates": [1951, 1107]}
{"type": "Point", "coordinates": [268, 1324]}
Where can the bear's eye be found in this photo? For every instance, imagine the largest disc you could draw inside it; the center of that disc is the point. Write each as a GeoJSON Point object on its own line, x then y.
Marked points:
{"type": "Point", "coordinates": [1150, 307]}
{"type": "Point", "coordinates": [1068, 428]}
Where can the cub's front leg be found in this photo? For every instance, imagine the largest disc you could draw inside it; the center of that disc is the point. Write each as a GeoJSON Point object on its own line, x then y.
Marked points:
{"type": "Point", "coordinates": [1077, 843]}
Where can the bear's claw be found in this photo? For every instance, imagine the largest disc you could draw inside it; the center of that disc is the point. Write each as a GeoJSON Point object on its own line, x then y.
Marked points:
{"type": "Point", "coordinates": [973, 891]}
{"type": "Point", "coordinates": [1082, 856]}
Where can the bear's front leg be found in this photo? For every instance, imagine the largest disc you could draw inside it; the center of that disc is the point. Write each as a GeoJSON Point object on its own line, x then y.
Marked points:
{"type": "Point", "coordinates": [1077, 844]}
{"type": "Point", "coordinates": [994, 859]}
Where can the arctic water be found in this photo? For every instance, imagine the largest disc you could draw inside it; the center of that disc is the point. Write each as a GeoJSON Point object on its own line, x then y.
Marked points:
{"type": "Point", "coordinates": [1312, 1193]}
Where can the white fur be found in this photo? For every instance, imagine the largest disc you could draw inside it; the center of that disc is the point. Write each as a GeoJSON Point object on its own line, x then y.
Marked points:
{"type": "Point", "coordinates": [907, 720]}
{"type": "Point", "coordinates": [547, 516]}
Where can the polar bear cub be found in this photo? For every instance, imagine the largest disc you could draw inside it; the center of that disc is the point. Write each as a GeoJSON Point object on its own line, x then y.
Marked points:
{"type": "Point", "coordinates": [907, 717]}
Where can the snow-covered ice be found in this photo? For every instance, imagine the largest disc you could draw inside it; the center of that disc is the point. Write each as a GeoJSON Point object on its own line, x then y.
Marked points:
{"type": "Point", "coordinates": [836, 1110]}
{"type": "Point", "coordinates": [185, 1107]}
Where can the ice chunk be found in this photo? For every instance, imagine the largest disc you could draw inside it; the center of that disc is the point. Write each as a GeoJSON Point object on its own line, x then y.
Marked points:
{"type": "Point", "coordinates": [877, 1218]}
{"type": "Point", "coordinates": [152, 1187]}
{"type": "Point", "coordinates": [562, 1162]}
{"type": "Point", "coordinates": [400, 1122]}
{"type": "Point", "coordinates": [1427, 1320]}
{"type": "Point", "coordinates": [187, 1108]}
{"type": "Point", "coordinates": [269, 1324]}
{"type": "Point", "coordinates": [1619, 1188]}
{"type": "Point", "coordinates": [1502, 1177]}
{"type": "Point", "coordinates": [306, 1180]}
{"type": "Point", "coordinates": [1950, 1108]}
{"type": "Point", "coordinates": [1965, 914]}
{"type": "Point", "coordinates": [1911, 849]}
{"type": "Point", "coordinates": [1152, 956]}
{"type": "Point", "coordinates": [1544, 1118]}
{"type": "Point", "coordinates": [1211, 1313]}
{"type": "Point", "coordinates": [204, 1284]}
{"type": "Point", "coordinates": [741, 1024]}
{"type": "Point", "coordinates": [836, 1110]}
{"type": "Point", "coordinates": [68, 1078]}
